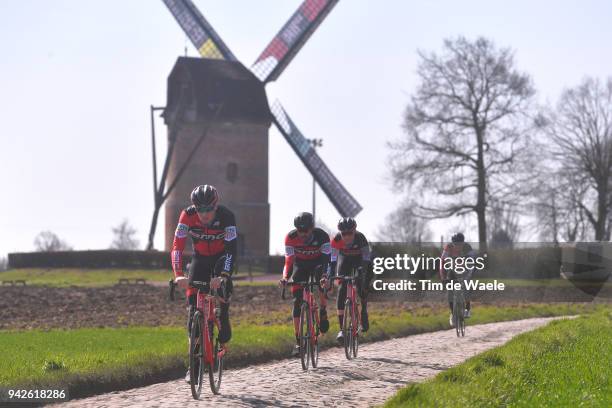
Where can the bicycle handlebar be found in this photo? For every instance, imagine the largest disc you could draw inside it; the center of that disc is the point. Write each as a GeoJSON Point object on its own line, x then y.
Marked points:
{"type": "Point", "coordinates": [172, 288]}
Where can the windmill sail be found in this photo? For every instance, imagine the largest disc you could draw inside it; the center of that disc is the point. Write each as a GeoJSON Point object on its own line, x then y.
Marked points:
{"type": "Point", "coordinates": [344, 202]}
{"type": "Point", "coordinates": [294, 34]}
{"type": "Point", "coordinates": [267, 68]}
{"type": "Point", "coordinates": [199, 31]}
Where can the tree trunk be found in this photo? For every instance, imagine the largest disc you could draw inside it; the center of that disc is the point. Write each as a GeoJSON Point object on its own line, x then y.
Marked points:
{"type": "Point", "coordinates": [602, 211]}
{"type": "Point", "coordinates": [481, 202]}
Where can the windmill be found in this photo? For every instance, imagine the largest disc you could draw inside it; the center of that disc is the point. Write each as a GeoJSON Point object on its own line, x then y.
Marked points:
{"type": "Point", "coordinates": [233, 98]}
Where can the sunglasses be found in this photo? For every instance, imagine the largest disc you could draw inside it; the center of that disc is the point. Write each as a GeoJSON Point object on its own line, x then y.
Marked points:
{"type": "Point", "coordinates": [303, 230]}
{"type": "Point", "coordinates": [204, 210]}
{"type": "Point", "coordinates": [345, 233]}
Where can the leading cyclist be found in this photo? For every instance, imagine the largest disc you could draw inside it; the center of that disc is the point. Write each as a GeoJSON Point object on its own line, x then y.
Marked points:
{"type": "Point", "coordinates": [307, 250]}
{"type": "Point", "coordinates": [212, 228]}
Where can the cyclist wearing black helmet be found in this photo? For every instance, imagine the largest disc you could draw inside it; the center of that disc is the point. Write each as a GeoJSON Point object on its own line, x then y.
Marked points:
{"type": "Point", "coordinates": [212, 228]}
{"type": "Point", "coordinates": [457, 248]}
{"type": "Point", "coordinates": [350, 250]}
{"type": "Point", "coordinates": [307, 250]}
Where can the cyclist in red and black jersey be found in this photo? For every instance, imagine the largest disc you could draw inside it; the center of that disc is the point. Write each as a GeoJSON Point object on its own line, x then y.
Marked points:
{"type": "Point", "coordinates": [457, 248]}
{"type": "Point", "coordinates": [350, 250]}
{"type": "Point", "coordinates": [307, 250]}
{"type": "Point", "coordinates": [212, 228]}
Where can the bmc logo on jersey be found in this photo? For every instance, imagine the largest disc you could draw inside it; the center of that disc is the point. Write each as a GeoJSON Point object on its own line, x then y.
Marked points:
{"type": "Point", "coordinates": [307, 251]}
{"type": "Point", "coordinates": [206, 237]}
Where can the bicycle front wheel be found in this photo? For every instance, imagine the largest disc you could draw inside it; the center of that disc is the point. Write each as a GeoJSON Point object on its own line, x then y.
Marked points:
{"type": "Point", "coordinates": [196, 364]}
{"type": "Point", "coordinates": [458, 315]}
{"type": "Point", "coordinates": [314, 339]}
{"type": "Point", "coordinates": [304, 336]}
{"type": "Point", "coordinates": [356, 330]}
{"type": "Point", "coordinates": [215, 367]}
{"type": "Point", "coordinates": [347, 329]}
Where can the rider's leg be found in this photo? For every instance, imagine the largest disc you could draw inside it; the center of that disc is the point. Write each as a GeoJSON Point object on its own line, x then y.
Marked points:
{"type": "Point", "coordinates": [298, 296]}
{"type": "Point", "coordinates": [363, 287]}
{"type": "Point", "coordinates": [340, 300]}
{"type": "Point", "coordinates": [225, 332]}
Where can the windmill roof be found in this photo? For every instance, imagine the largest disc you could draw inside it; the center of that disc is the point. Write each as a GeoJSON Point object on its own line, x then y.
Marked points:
{"type": "Point", "coordinates": [211, 83]}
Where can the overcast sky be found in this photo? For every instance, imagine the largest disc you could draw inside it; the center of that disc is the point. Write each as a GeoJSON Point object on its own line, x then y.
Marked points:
{"type": "Point", "coordinates": [77, 79]}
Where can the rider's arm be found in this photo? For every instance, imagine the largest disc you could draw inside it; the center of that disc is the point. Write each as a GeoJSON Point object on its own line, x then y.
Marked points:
{"type": "Point", "coordinates": [365, 253]}
{"type": "Point", "coordinates": [230, 243]}
{"type": "Point", "coordinates": [326, 251]}
{"type": "Point", "coordinates": [178, 245]}
{"type": "Point", "coordinates": [289, 258]}
{"type": "Point", "coordinates": [335, 251]}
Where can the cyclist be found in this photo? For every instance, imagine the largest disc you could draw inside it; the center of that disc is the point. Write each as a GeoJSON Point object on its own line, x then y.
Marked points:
{"type": "Point", "coordinates": [212, 228]}
{"type": "Point", "coordinates": [457, 248]}
{"type": "Point", "coordinates": [350, 250]}
{"type": "Point", "coordinates": [307, 250]}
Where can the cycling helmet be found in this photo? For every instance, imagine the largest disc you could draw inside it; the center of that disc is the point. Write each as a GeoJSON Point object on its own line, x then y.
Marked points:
{"type": "Point", "coordinates": [347, 224]}
{"type": "Point", "coordinates": [205, 197]}
{"type": "Point", "coordinates": [303, 221]}
{"type": "Point", "coordinates": [458, 237]}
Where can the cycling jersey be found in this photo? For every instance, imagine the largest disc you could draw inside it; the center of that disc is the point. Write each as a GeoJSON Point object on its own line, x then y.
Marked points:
{"type": "Point", "coordinates": [219, 236]}
{"type": "Point", "coordinates": [453, 250]}
{"type": "Point", "coordinates": [306, 253]}
{"type": "Point", "coordinates": [355, 254]}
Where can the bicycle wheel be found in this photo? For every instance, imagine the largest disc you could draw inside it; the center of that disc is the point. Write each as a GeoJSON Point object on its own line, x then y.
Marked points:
{"type": "Point", "coordinates": [304, 337]}
{"type": "Point", "coordinates": [356, 329]}
{"type": "Point", "coordinates": [196, 364]}
{"type": "Point", "coordinates": [347, 329]}
{"type": "Point", "coordinates": [458, 317]}
{"type": "Point", "coordinates": [314, 343]}
{"type": "Point", "coordinates": [215, 369]}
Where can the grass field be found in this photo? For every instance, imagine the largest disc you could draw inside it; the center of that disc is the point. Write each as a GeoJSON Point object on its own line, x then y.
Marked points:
{"type": "Point", "coordinates": [64, 277]}
{"type": "Point", "coordinates": [567, 363]}
{"type": "Point", "coordinates": [86, 359]}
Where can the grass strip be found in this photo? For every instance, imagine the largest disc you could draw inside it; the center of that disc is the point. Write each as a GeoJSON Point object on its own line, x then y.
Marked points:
{"type": "Point", "coordinates": [564, 364]}
{"type": "Point", "coordinates": [65, 277]}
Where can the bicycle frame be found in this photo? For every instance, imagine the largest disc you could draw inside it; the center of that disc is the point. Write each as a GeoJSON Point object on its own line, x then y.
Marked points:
{"type": "Point", "coordinates": [309, 347]}
{"type": "Point", "coordinates": [351, 314]}
{"type": "Point", "coordinates": [206, 305]}
{"type": "Point", "coordinates": [459, 307]}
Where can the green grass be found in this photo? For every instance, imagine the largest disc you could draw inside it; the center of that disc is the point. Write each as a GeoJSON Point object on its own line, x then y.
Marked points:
{"type": "Point", "coordinates": [567, 363]}
{"type": "Point", "coordinates": [64, 277]}
{"type": "Point", "coordinates": [104, 359]}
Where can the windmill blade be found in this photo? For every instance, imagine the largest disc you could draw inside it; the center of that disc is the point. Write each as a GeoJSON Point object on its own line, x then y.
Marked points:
{"type": "Point", "coordinates": [294, 34]}
{"type": "Point", "coordinates": [200, 32]}
{"type": "Point", "coordinates": [344, 202]}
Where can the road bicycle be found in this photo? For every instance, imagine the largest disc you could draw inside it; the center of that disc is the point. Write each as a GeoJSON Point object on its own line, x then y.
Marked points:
{"type": "Point", "coordinates": [205, 351]}
{"type": "Point", "coordinates": [459, 306]}
{"type": "Point", "coordinates": [351, 325]}
{"type": "Point", "coordinates": [309, 328]}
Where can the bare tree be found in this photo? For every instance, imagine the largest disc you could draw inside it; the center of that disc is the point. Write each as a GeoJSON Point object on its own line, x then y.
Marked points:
{"type": "Point", "coordinates": [558, 216]}
{"type": "Point", "coordinates": [403, 226]}
{"type": "Point", "coordinates": [48, 241]}
{"type": "Point", "coordinates": [3, 264]}
{"type": "Point", "coordinates": [467, 130]}
{"type": "Point", "coordinates": [124, 237]}
{"type": "Point", "coordinates": [505, 227]}
{"type": "Point", "coordinates": [581, 132]}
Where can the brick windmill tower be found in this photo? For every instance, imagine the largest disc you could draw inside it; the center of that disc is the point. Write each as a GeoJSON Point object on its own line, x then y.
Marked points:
{"type": "Point", "coordinates": [218, 118]}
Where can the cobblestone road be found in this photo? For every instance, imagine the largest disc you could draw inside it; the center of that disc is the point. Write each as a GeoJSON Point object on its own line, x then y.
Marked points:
{"type": "Point", "coordinates": [373, 377]}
